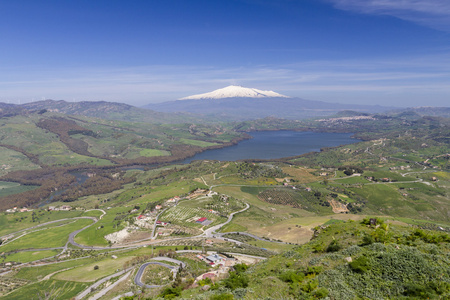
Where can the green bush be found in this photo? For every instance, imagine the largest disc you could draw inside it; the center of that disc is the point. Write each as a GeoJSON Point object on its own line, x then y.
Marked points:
{"type": "Point", "coordinates": [309, 286]}
{"type": "Point", "coordinates": [360, 265]}
{"type": "Point", "coordinates": [320, 293]}
{"type": "Point", "coordinates": [240, 268]}
{"type": "Point", "coordinates": [170, 292]}
{"type": "Point", "coordinates": [222, 297]}
{"type": "Point", "coordinates": [314, 270]}
{"type": "Point", "coordinates": [206, 281]}
{"type": "Point", "coordinates": [367, 240]}
{"type": "Point", "coordinates": [334, 246]}
{"type": "Point", "coordinates": [420, 291]}
{"type": "Point", "coordinates": [291, 276]}
{"type": "Point", "coordinates": [319, 248]}
{"type": "Point", "coordinates": [236, 281]}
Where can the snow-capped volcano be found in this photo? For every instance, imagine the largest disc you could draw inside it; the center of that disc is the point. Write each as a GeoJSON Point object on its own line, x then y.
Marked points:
{"type": "Point", "coordinates": [234, 91]}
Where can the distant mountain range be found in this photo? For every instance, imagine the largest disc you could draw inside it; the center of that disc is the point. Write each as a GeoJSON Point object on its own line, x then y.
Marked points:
{"type": "Point", "coordinates": [240, 103]}
{"type": "Point", "coordinates": [99, 109]}
{"type": "Point", "coordinates": [233, 103]}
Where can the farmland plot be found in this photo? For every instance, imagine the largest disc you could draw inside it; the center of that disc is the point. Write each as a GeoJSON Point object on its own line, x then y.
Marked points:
{"type": "Point", "coordinates": [187, 216]}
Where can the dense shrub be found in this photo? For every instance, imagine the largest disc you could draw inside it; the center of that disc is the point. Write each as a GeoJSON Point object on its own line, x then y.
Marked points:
{"type": "Point", "coordinates": [240, 268]}
{"type": "Point", "coordinates": [236, 281]}
{"type": "Point", "coordinates": [221, 297]}
{"type": "Point", "coordinates": [170, 292]}
{"type": "Point", "coordinates": [360, 265]}
{"type": "Point", "coordinates": [291, 276]}
{"type": "Point", "coordinates": [334, 246]}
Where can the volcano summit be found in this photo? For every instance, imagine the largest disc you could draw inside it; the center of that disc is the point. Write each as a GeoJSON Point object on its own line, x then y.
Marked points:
{"type": "Point", "coordinates": [234, 91]}
{"type": "Point", "coordinates": [237, 103]}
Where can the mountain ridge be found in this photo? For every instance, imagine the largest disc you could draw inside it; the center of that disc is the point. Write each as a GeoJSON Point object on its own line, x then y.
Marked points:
{"type": "Point", "coordinates": [241, 108]}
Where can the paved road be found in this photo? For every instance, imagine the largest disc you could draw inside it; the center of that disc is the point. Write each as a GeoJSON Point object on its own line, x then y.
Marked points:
{"type": "Point", "coordinates": [140, 272]}
{"type": "Point", "coordinates": [110, 287]}
{"type": "Point", "coordinates": [129, 294]}
{"type": "Point", "coordinates": [98, 283]}
{"type": "Point", "coordinates": [176, 261]}
{"type": "Point", "coordinates": [73, 234]}
{"type": "Point", "coordinates": [210, 231]}
{"type": "Point", "coordinates": [154, 224]}
{"type": "Point", "coordinates": [250, 235]}
{"type": "Point", "coordinates": [214, 252]}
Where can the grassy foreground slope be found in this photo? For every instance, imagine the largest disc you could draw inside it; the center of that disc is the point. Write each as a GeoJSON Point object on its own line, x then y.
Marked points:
{"type": "Point", "coordinates": [350, 260]}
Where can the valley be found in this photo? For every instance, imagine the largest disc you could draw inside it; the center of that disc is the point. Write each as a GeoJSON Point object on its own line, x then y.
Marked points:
{"type": "Point", "coordinates": [316, 225]}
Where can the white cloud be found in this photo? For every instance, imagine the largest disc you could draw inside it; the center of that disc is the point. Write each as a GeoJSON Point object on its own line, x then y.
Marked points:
{"type": "Point", "coordinates": [422, 79]}
{"type": "Point", "coordinates": [431, 13]}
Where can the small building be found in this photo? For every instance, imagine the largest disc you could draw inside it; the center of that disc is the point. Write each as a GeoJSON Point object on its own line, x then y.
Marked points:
{"type": "Point", "coordinates": [215, 258]}
{"type": "Point", "coordinates": [201, 220]}
{"type": "Point", "coordinates": [158, 206]}
{"type": "Point", "coordinates": [434, 178]}
{"type": "Point", "coordinates": [140, 217]}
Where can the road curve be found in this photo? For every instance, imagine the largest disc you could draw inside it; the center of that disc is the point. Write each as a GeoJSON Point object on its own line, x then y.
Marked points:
{"type": "Point", "coordinates": [210, 231]}
{"type": "Point", "coordinates": [140, 272]}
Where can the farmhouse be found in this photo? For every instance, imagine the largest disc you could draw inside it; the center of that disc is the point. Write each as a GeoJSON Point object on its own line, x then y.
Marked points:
{"type": "Point", "coordinates": [204, 221]}
{"type": "Point", "coordinates": [201, 220]}
{"type": "Point", "coordinates": [161, 223]}
{"type": "Point", "coordinates": [215, 259]}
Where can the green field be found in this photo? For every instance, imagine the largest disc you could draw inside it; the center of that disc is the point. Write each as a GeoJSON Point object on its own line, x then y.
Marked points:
{"type": "Point", "coordinates": [153, 152]}
{"type": "Point", "coordinates": [11, 160]}
{"type": "Point", "coordinates": [87, 273]}
{"type": "Point", "coordinates": [12, 222]}
{"type": "Point", "coordinates": [197, 143]}
{"type": "Point", "coordinates": [11, 188]}
{"type": "Point", "coordinates": [48, 289]}
{"type": "Point", "coordinates": [28, 256]}
{"type": "Point", "coordinates": [95, 235]}
{"type": "Point", "coordinates": [45, 238]}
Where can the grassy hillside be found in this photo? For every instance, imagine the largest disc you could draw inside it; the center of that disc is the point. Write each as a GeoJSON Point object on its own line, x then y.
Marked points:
{"type": "Point", "coordinates": [350, 260]}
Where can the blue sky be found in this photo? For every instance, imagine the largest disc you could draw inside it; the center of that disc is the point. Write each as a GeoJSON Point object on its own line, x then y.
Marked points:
{"type": "Point", "coordinates": [387, 52]}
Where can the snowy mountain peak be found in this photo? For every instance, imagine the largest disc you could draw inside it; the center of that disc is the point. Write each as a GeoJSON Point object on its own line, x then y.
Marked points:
{"type": "Point", "coordinates": [234, 91]}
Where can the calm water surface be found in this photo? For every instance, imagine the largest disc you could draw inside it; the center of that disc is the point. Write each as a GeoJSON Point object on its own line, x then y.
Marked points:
{"type": "Point", "coordinates": [276, 144]}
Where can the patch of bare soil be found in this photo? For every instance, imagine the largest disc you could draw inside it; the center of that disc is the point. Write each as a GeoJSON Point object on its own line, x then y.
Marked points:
{"type": "Point", "coordinates": [338, 207]}
{"type": "Point", "coordinates": [137, 236]}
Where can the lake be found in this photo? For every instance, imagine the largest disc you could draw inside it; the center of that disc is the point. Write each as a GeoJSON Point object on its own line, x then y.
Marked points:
{"type": "Point", "coordinates": [276, 144]}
